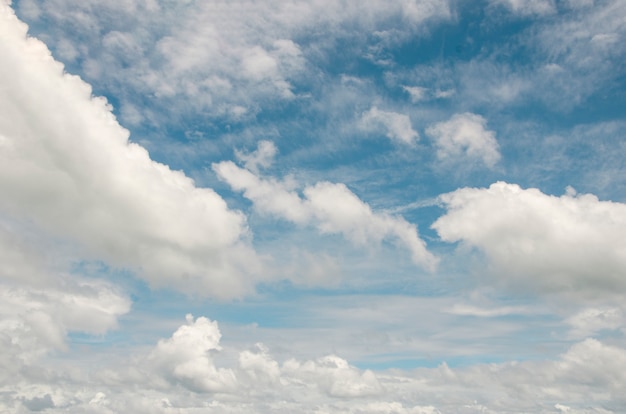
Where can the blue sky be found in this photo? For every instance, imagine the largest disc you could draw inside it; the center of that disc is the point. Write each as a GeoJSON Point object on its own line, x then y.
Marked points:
{"type": "Point", "coordinates": [409, 206]}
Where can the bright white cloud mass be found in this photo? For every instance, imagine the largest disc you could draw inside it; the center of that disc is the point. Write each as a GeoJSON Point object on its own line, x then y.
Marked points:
{"type": "Point", "coordinates": [369, 207]}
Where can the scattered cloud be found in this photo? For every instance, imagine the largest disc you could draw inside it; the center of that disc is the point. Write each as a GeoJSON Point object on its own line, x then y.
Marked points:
{"type": "Point", "coordinates": [262, 157]}
{"type": "Point", "coordinates": [396, 127]}
{"type": "Point", "coordinates": [417, 93]}
{"type": "Point", "coordinates": [331, 207]}
{"type": "Point", "coordinates": [465, 136]}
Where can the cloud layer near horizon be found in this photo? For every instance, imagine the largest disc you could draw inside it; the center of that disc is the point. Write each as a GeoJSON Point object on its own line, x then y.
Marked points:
{"type": "Point", "coordinates": [181, 369]}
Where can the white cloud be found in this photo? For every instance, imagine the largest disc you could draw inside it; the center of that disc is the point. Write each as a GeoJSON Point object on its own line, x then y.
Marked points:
{"type": "Point", "coordinates": [259, 367]}
{"type": "Point", "coordinates": [269, 196]}
{"type": "Point", "coordinates": [395, 126]}
{"type": "Point", "coordinates": [417, 93]}
{"type": "Point", "coordinates": [569, 244]}
{"type": "Point", "coordinates": [338, 210]}
{"type": "Point", "coordinates": [67, 165]}
{"type": "Point", "coordinates": [262, 157]}
{"type": "Point", "coordinates": [331, 207]}
{"type": "Point", "coordinates": [465, 135]}
{"type": "Point", "coordinates": [185, 358]}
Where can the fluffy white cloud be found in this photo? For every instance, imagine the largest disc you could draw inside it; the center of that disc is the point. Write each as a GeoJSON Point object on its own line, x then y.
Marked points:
{"type": "Point", "coordinates": [569, 244]}
{"type": "Point", "coordinates": [331, 207]}
{"type": "Point", "coordinates": [465, 135]}
{"type": "Point", "coordinates": [67, 165]}
{"type": "Point", "coordinates": [185, 358]}
{"type": "Point", "coordinates": [395, 126]}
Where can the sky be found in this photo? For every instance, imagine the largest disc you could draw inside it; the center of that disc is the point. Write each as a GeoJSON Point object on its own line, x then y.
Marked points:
{"type": "Point", "coordinates": [313, 206]}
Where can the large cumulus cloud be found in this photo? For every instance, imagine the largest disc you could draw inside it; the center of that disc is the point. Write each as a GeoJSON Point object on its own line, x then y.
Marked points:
{"type": "Point", "coordinates": [68, 166]}
{"type": "Point", "coordinates": [570, 244]}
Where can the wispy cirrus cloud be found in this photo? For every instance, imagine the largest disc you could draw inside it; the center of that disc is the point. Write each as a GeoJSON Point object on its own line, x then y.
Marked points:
{"type": "Point", "coordinates": [185, 53]}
